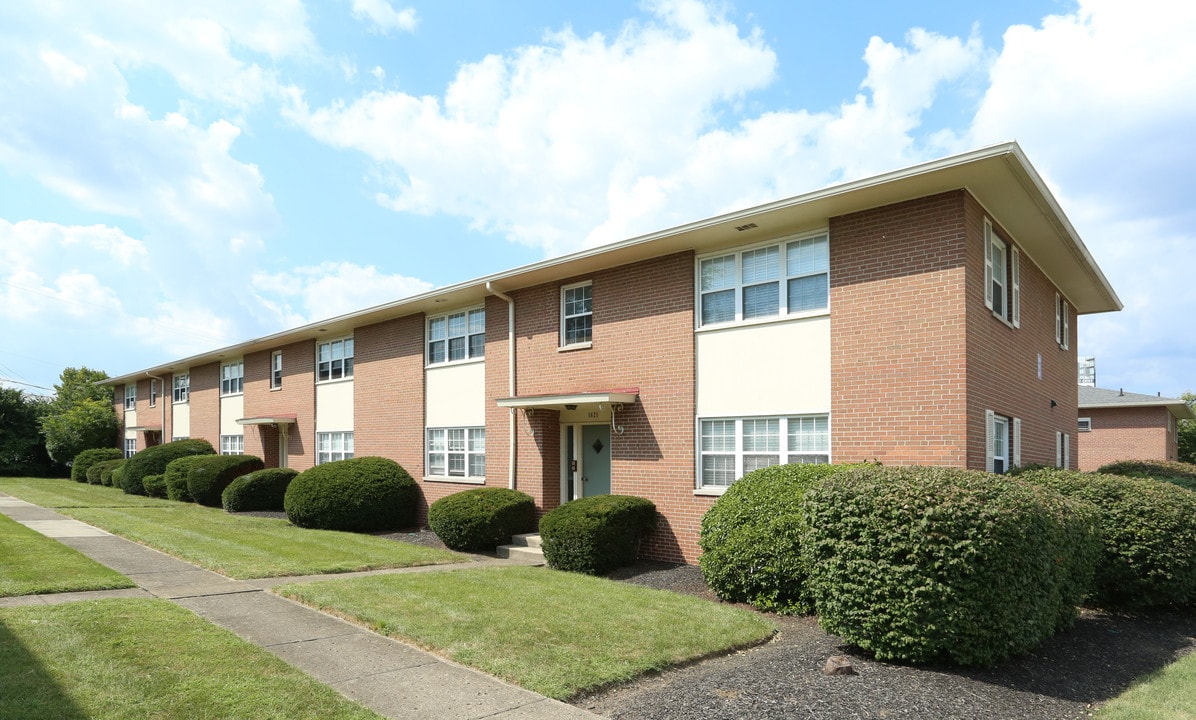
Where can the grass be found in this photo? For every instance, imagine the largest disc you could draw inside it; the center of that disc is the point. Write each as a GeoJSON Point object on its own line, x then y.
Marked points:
{"type": "Point", "coordinates": [1169, 693]}
{"type": "Point", "coordinates": [32, 564]}
{"type": "Point", "coordinates": [238, 546]}
{"type": "Point", "coordinates": [123, 659]}
{"type": "Point", "coordinates": [557, 633]}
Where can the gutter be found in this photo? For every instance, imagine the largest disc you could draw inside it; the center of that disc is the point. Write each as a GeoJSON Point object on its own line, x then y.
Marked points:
{"type": "Point", "coordinates": [512, 464]}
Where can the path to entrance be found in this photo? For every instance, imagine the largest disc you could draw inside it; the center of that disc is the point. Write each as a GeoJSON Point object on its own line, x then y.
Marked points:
{"type": "Point", "coordinates": [389, 677]}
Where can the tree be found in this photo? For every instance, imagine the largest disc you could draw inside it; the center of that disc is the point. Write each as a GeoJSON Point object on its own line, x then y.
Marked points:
{"type": "Point", "coordinates": [1187, 432]}
{"type": "Point", "coordinates": [81, 416]}
{"type": "Point", "coordinates": [22, 448]}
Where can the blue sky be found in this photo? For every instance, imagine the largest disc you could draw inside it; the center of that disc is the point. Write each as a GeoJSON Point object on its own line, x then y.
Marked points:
{"type": "Point", "coordinates": [177, 176]}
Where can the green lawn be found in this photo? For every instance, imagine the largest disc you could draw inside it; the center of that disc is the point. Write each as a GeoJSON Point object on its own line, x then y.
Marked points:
{"type": "Point", "coordinates": [31, 564]}
{"type": "Point", "coordinates": [556, 633]}
{"type": "Point", "coordinates": [238, 546]}
{"type": "Point", "coordinates": [1169, 693]}
{"type": "Point", "coordinates": [122, 659]}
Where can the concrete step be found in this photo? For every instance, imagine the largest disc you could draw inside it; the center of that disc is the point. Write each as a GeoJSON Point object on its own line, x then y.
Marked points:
{"type": "Point", "coordinates": [526, 540]}
{"type": "Point", "coordinates": [521, 553]}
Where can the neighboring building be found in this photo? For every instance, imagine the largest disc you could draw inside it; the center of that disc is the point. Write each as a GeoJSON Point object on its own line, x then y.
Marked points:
{"type": "Point", "coordinates": [1115, 425]}
{"type": "Point", "coordinates": [922, 316]}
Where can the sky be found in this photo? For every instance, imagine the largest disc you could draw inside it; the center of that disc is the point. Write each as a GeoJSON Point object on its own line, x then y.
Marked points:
{"type": "Point", "coordinates": [178, 176]}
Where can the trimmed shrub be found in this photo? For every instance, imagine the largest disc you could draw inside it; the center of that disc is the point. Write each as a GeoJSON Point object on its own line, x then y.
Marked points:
{"type": "Point", "coordinates": [153, 461]}
{"type": "Point", "coordinates": [597, 534]}
{"type": "Point", "coordinates": [751, 538]}
{"type": "Point", "coordinates": [363, 494]}
{"type": "Point", "coordinates": [116, 476]}
{"type": "Point", "coordinates": [155, 485]}
{"type": "Point", "coordinates": [923, 564]}
{"type": "Point", "coordinates": [1182, 474]}
{"type": "Point", "coordinates": [1149, 533]}
{"type": "Point", "coordinates": [95, 473]}
{"type": "Point", "coordinates": [207, 480]}
{"type": "Point", "coordinates": [261, 490]}
{"type": "Point", "coordinates": [482, 518]}
{"type": "Point", "coordinates": [84, 460]}
{"type": "Point", "coordinates": [176, 476]}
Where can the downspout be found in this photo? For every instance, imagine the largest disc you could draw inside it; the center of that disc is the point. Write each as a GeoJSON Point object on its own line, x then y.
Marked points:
{"type": "Point", "coordinates": [162, 404]}
{"type": "Point", "coordinates": [511, 455]}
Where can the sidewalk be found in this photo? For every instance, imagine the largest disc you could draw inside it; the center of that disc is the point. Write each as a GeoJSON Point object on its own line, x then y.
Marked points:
{"type": "Point", "coordinates": [389, 677]}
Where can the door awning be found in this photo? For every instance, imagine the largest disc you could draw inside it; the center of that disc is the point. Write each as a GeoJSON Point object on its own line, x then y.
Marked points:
{"type": "Point", "coordinates": [570, 401]}
{"type": "Point", "coordinates": [145, 428]}
{"type": "Point", "coordinates": [283, 419]}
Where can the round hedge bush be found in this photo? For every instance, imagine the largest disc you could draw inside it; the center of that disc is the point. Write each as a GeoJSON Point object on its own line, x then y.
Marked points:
{"type": "Point", "coordinates": [207, 480]}
{"type": "Point", "coordinates": [95, 473]}
{"type": "Point", "coordinates": [363, 494]}
{"type": "Point", "coordinates": [924, 564]}
{"type": "Point", "coordinates": [1182, 474]}
{"type": "Point", "coordinates": [153, 461]}
{"type": "Point", "coordinates": [155, 485]}
{"type": "Point", "coordinates": [1149, 533]}
{"type": "Point", "coordinates": [597, 534]}
{"type": "Point", "coordinates": [116, 476]}
{"type": "Point", "coordinates": [751, 538]}
{"type": "Point", "coordinates": [260, 490]}
{"type": "Point", "coordinates": [482, 518]}
{"type": "Point", "coordinates": [176, 476]}
{"type": "Point", "coordinates": [84, 460]}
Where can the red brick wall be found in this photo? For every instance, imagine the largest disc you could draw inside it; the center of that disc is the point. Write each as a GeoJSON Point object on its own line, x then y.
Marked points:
{"type": "Point", "coordinates": [296, 396]}
{"type": "Point", "coordinates": [205, 403]}
{"type": "Point", "coordinates": [1130, 433]}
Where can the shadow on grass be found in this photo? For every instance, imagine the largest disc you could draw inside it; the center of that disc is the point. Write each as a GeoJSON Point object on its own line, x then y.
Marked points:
{"type": "Point", "coordinates": [28, 691]}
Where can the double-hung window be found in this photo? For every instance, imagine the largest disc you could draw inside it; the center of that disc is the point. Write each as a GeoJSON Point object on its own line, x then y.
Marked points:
{"type": "Point", "coordinates": [232, 378]}
{"type": "Point", "coordinates": [334, 360]}
{"type": "Point", "coordinates": [457, 452]}
{"type": "Point", "coordinates": [788, 278]}
{"type": "Point", "coordinates": [1003, 443]}
{"type": "Point", "coordinates": [332, 446]}
{"type": "Point", "coordinates": [1062, 322]}
{"type": "Point", "coordinates": [232, 444]}
{"type": "Point", "coordinates": [577, 314]}
{"type": "Point", "coordinates": [276, 370]}
{"type": "Point", "coordinates": [131, 396]}
{"type": "Point", "coordinates": [732, 447]}
{"type": "Point", "coordinates": [182, 387]}
{"type": "Point", "coordinates": [1002, 277]}
{"type": "Point", "coordinates": [153, 393]}
{"type": "Point", "coordinates": [457, 336]}
{"type": "Point", "coordinates": [130, 447]}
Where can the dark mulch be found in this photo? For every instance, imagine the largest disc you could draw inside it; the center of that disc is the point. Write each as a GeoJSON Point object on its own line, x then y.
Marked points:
{"type": "Point", "coordinates": [1065, 678]}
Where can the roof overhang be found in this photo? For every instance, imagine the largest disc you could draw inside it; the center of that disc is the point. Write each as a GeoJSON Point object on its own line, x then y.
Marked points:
{"type": "Point", "coordinates": [1178, 408]}
{"type": "Point", "coordinates": [1000, 177]}
{"type": "Point", "coordinates": [571, 401]}
{"type": "Point", "coordinates": [284, 419]}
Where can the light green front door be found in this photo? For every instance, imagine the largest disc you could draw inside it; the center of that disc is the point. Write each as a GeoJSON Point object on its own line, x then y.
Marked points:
{"type": "Point", "coordinates": [595, 464]}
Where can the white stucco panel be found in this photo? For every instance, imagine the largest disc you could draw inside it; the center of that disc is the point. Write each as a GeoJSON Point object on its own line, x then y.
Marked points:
{"type": "Point", "coordinates": [778, 368]}
{"type": "Point", "coordinates": [181, 420]}
{"type": "Point", "coordinates": [231, 408]}
{"type": "Point", "coordinates": [334, 406]}
{"type": "Point", "coordinates": [130, 418]}
{"type": "Point", "coordinates": [456, 395]}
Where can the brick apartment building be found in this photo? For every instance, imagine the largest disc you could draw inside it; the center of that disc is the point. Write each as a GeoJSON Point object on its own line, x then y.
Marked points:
{"type": "Point", "coordinates": [922, 316]}
{"type": "Point", "coordinates": [1116, 425]}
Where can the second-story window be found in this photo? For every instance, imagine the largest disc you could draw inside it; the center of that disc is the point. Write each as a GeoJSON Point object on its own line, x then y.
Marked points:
{"type": "Point", "coordinates": [788, 278]}
{"type": "Point", "coordinates": [1002, 277]}
{"type": "Point", "coordinates": [182, 387]}
{"type": "Point", "coordinates": [153, 393]}
{"type": "Point", "coordinates": [231, 378]}
{"type": "Point", "coordinates": [457, 336]}
{"type": "Point", "coordinates": [334, 360]}
{"type": "Point", "coordinates": [577, 314]}
{"type": "Point", "coordinates": [131, 396]}
{"type": "Point", "coordinates": [276, 370]}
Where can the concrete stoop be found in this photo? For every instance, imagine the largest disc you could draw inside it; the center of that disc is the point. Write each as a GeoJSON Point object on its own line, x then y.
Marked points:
{"type": "Point", "coordinates": [523, 548]}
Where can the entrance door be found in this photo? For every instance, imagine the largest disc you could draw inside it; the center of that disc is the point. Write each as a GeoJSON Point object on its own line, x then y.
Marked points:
{"type": "Point", "coordinates": [595, 460]}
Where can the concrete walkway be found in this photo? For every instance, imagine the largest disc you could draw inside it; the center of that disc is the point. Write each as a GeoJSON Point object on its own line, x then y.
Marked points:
{"type": "Point", "coordinates": [389, 677]}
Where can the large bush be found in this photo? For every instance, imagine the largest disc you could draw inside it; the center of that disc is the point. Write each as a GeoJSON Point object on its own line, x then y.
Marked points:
{"type": "Point", "coordinates": [115, 477]}
{"type": "Point", "coordinates": [361, 494]}
{"type": "Point", "coordinates": [175, 476]}
{"type": "Point", "coordinates": [84, 460]}
{"type": "Point", "coordinates": [153, 461]}
{"type": "Point", "coordinates": [923, 564]}
{"type": "Point", "coordinates": [95, 473]}
{"type": "Point", "coordinates": [155, 486]}
{"type": "Point", "coordinates": [482, 518]}
{"type": "Point", "coordinates": [751, 538]}
{"type": "Point", "coordinates": [207, 480]}
{"type": "Point", "coordinates": [1182, 474]}
{"type": "Point", "coordinates": [597, 534]}
{"type": "Point", "coordinates": [1149, 533]}
{"type": "Point", "coordinates": [261, 490]}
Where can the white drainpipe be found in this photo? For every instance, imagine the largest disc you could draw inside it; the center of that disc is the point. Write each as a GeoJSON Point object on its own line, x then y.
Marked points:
{"type": "Point", "coordinates": [511, 454]}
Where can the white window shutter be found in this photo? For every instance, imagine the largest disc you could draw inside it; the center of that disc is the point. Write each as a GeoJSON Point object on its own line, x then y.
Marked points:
{"type": "Point", "coordinates": [988, 269]}
{"type": "Point", "coordinates": [1015, 302]}
{"type": "Point", "coordinates": [1058, 449]}
{"type": "Point", "coordinates": [1058, 321]}
{"type": "Point", "coordinates": [1017, 442]}
{"type": "Point", "coordinates": [989, 421]}
{"type": "Point", "coordinates": [1066, 451]}
{"type": "Point", "coordinates": [1066, 325]}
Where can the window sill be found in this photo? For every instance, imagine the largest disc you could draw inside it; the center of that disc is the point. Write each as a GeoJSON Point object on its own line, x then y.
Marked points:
{"type": "Point", "coordinates": [770, 320]}
{"type": "Point", "coordinates": [454, 363]}
{"type": "Point", "coordinates": [710, 491]}
{"type": "Point", "coordinates": [1005, 321]}
{"type": "Point", "coordinates": [575, 346]}
{"type": "Point", "coordinates": [336, 381]}
{"type": "Point", "coordinates": [180, 402]}
{"type": "Point", "coordinates": [224, 395]}
{"type": "Point", "coordinates": [455, 480]}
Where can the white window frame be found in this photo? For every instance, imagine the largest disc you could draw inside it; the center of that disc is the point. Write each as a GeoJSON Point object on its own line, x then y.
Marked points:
{"type": "Point", "coordinates": [788, 252]}
{"type": "Point", "coordinates": [232, 378]}
{"type": "Point", "coordinates": [1062, 450]}
{"type": "Point", "coordinates": [131, 396]}
{"type": "Point", "coordinates": [180, 388]}
{"type": "Point", "coordinates": [1006, 305]}
{"type": "Point", "coordinates": [153, 393]}
{"type": "Point", "coordinates": [232, 444]}
{"type": "Point", "coordinates": [334, 360]}
{"type": "Point", "coordinates": [130, 447]}
{"type": "Point", "coordinates": [1011, 455]}
{"type": "Point", "coordinates": [276, 370]}
{"type": "Point", "coordinates": [586, 314]}
{"type": "Point", "coordinates": [797, 438]}
{"type": "Point", "coordinates": [1062, 322]}
{"type": "Point", "coordinates": [441, 334]}
{"type": "Point", "coordinates": [1084, 424]}
{"type": "Point", "coordinates": [333, 446]}
{"type": "Point", "coordinates": [464, 447]}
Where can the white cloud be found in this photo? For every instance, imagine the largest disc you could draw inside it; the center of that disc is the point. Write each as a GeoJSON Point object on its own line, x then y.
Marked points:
{"type": "Point", "coordinates": [311, 293]}
{"type": "Point", "coordinates": [383, 17]}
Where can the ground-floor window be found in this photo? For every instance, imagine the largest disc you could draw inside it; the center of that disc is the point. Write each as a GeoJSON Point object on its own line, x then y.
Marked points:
{"type": "Point", "coordinates": [1003, 444]}
{"type": "Point", "coordinates": [232, 444]}
{"type": "Point", "coordinates": [130, 447]}
{"type": "Point", "coordinates": [333, 446]}
{"type": "Point", "coordinates": [457, 452]}
{"type": "Point", "coordinates": [731, 447]}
